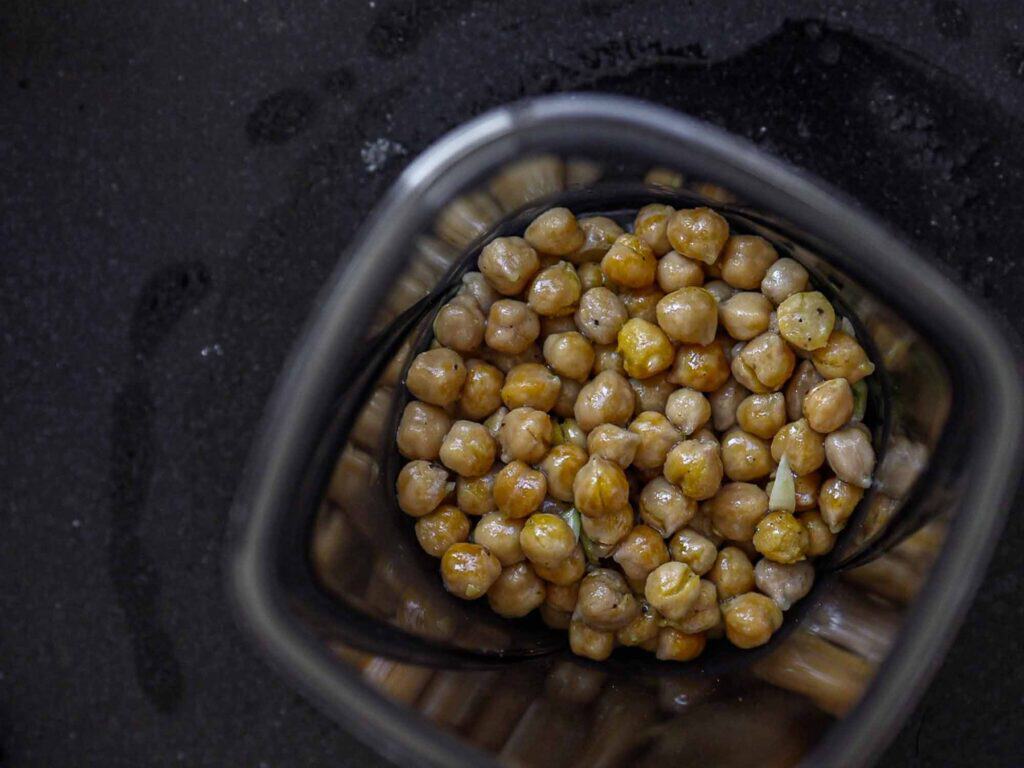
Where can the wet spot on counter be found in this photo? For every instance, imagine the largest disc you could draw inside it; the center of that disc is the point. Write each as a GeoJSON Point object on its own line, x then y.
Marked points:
{"type": "Point", "coordinates": [280, 117]}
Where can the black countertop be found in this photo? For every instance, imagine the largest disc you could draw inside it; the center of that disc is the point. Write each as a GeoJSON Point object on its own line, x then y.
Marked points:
{"type": "Point", "coordinates": [177, 183]}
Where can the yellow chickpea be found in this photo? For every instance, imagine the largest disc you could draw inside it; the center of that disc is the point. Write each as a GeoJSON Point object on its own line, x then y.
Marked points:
{"type": "Point", "coordinates": [525, 434]}
{"type": "Point", "coordinates": [642, 303]}
{"type": "Point", "coordinates": [705, 615]}
{"type": "Point", "coordinates": [505, 361]}
{"type": "Point", "coordinates": [569, 354]}
{"type": "Point", "coordinates": [630, 262]}
{"type": "Point", "coordinates": [642, 629]}
{"type": "Point", "coordinates": [555, 618]}
{"type": "Point", "coordinates": [422, 487]}
{"type": "Point", "coordinates": [784, 278]}
{"type": "Point", "coordinates": [512, 327]}
{"type": "Point", "coordinates": [560, 467]}
{"type": "Point", "coordinates": [565, 405]}
{"type": "Point", "coordinates": [696, 550]}
{"type": "Point", "coordinates": [675, 271]}
{"type": "Point", "coordinates": [664, 507]}
{"type": "Point", "coordinates": [600, 316]}
{"type": "Point", "coordinates": [672, 589]}
{"type": "Point", "coordinates": [469, 570]}
{"type": "Point", "coordinates": [468, 449]}
{"type": "Point", "coordinates": [605, 602]}
{"type": "Point", "coordinates": [688, 410]}
{"type": "Point", "coordinates": [531, 385]}
{"type": "Point", "coordinates": [459, 324]}
{"type": "Point", "coordinates": [547, 539]}
{"type": "Point", "coordinates": [600, 488]}
{"type": "Point", "coordinates": [608, 358]}
{"type": "Point", "coordinates": [674, 645]}
{"type": "Point", "coordinates": [481, 392]}
{"type": "Point", "coordinates": [652, 393]}
{"type": "Point", "coordinates": [732, 573]}
{"type": "Point", "coordinates": [804, 447]}
{"type": "Point", "coordinates": [519, 490]}
{"type": "Point", "coordinates": [650, 224]}
{"type": "Point", "coordinates": [500, 535]}
{"type": "Point", "coordinates": [591, 276]}
{"type": "Point", "coordinates": [443, 527]}
{"type": "Point", "coordinates": [745, 315]}
{"type": "Point", "coordinates": [516, 592]}
{"type": "Point", "coordinates": [698, 233]}
{"type": "Point", "coordinates": [599, 234]}
{"type": "Point", "coordinates": [555, 232]}
{"type": "Point", "coordinates": [613, 443]}
{"type": "Point", "coordinates": [737, 508]}
{"type": "Point", "coordinates": [567, 572]}
{"type": "Point", "coordinates": [829, 405]}
{"type": "Point", "coordinates": [841, 357]}
{"type": "Point", "coordinates": [820, 539]}
{"type": "Point", "coordinates": [475, 495]}
{"type": "Point", "coordinates": [745, 456]}
{"type": "Point", "coordinates": [421, 430]}
{"type": "Point", "coordinates": [657, 436]}
{"type": "Point", "coordinates": [608, 530]}
{"type": "Point", "coordinates": [762, 415]}
{"type": "Point", "coordinates": [750, 619]}
{"type": "Point", "coordinates": [781, 538]}
{"type": "Point", "coordinates": [640, 551]}
{"type": "Point", "coordinates": [508, 263]}
{"type": "Point", "coordinates": [805, 489]}
{"type": "Point", "coordinates": [689, 315]}
{"type": "Point", "coordinates": [605, 399]}
{"type": "Point", "coordinates": [764, 364]}
{"type": "Point", "coordinates": [696, 467]}
{"type": "Point", "coordinates": [590, 643]}
{"type": "Point", "coordinates": [836, 502]}
{"type": "Point", "coordinates": [703, 368]}
{"type": "Point", "coordinates": [555, 291]}
{"type": "Point", "coordinates": [745, 260]}
{"type": "Point", "coordinates": [563, 598]}
{"type": "Point", "coordinates": [436, 376]}
{"type": "Point", "coordinates": [806, 320]}
{"type": "Point", "coordinates": [645, 349]}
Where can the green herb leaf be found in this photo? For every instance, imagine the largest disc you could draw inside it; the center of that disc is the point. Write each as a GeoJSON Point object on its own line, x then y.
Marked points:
{"type": "Point", "coordinates": [572, 517]}
{"type": "Point", "coordinates": [860, 400]}
{"type": "Point", "coordinates": [589, 550]}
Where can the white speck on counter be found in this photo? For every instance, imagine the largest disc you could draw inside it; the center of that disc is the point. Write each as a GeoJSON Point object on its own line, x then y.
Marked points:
{"type": "Point", "coordinates": [376, 153]}
{"type": "Point", "coordinates": [213, 349]}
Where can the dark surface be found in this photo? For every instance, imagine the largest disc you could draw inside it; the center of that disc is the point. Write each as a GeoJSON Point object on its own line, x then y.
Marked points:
{"type": "Point", "coordinates": [176, 186]}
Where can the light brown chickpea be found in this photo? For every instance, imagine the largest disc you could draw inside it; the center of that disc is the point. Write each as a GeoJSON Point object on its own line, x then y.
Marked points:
{"type": "Point", "coordinates": [443, 527]}
{"type": "Point", "coordinates": [784, 278]}
{"type": "Point", "coordinates": [555, 291]}
{"type": "Point", "coordinates": [806, 319]}
{"type": "Point", "coordinates": [784, 583]}
{"type": "Point", "coordinates": [481, 392]}
{"type": "Point", "coordinates": [512, 327]}
{"type": "Point", "coordinates": [500, 535]}
{"type": "Point", "coordinates": [745, 315]}
{"type": "Point", "coordinates": [555, 232]}
{"type": "Point", "coordinates": [705, 614]}
{"type": "Point", "coordinates": [750, 619]}
{"type": "Point", "coordinates": [546, 539]}
{"type": "Point", "coordinates": [605, 399]}
{"type": "Point", "coordinates": [560, 467]}
{"type": "Point", "coordinates": [688, 410]}
{"type": "Point", "coordinates": [422, 487]}
{"type": "Point", "coordinates": [421, 430]}
{"type": "Point", "coordinates": [436, 376]}
{"type": "Point", "coordinates": [607, 530]}
{"type": "Point", "coordinates": [591, 276]}
{"type": "Point", "coordinates": [568, 431]}
{"type": "Point", "coordinates": [720, 290]}
{"type": "Point", "coordinates": [569, 354]}
{"type": "Point", "coordinates": [745, 260]}
{"type": "Point", "coordinates": [689, 315]}
{"type": "Point", "coordinates": [530, 385]}
{"type": "Point", "coordinates": [745, 456]}
{"type": "Point", "coordinates": [494, 422]}
{"type": "Point", "coordinates": [664, 507]}
{"type": "Point", "coordinates": [703, 524]}
{"type": "Point", "coordinates": [600, 316]}
{"type": "Point", "coordinates": [650, 223]}
{"type": "Point", "coordinates": [829, 405]}
{"type": "Point", "coordinates": [698, 233]}
{"type": "Point", "coordinates": [675, 645]}
{"type": "Point", "coordinates": [842, 357]}
{"type": "Point", "coordinates": [475, 495]}
{"type": "Point", "coordinates": [703, 368]}
{"type": "Point", "coordinates": [600, 488]}
{"type": "Point", "coordinates": [642, 303]}
{"type": "Point", "coordinates": [555, 618]}
{"type": "Point", "coordinates": [805, 489]}
{"type": "Point", "coordinates": [525, 434]}
{"type": "Point", "coordinates": [732, 573]}
{"type": "Point", "coordinates": [780, 537]}
{"type": "Point", "coordinates": [517, 591]}
{"type": "Point", "coordinates": [468, 449]}
{"type": "Point", "coordinates": [820, 539]}
{"type": "Point", "coordinates": [459, 324]}
{"type": "Point", "coordinates": [737, 508]}
{"type": "Point", "coordinates": [608, 358]}
{"type": "Point", "coordinates": [696, 550]}
{"type": "Point", "coordinates": [652, 393]}
{"type": "Point", "coordinates": [568, 571]}
{"type": "Point", "coordinates": [675, 271]}
{"type": "Point", "coordinates": [475, 286]}
{"type": "Point", "coordinates": [549, 326]}
{"type": "Point", "coordinates": [804, 379]}
{"type": "Point", "coordinates": [672, 589]}
{"type": "Point", "coordinates": [765, 363]}
{"type": "Point", "coordinates": [696, 467]}
{"type": "Point", "coordinates": [725, 402]}
{"type": "Point", "coordinates": [645, 349]}
{"type": "Point", "coordinates": [640, 630]}
{"type": "Point", "coordinates": [762, 415]}
{"type": "Point", "coordinates": [630, 262]}
{"type": "Point", "coordinates": [599, 234]}
{"type": "Point", "coordinates": [657, 436]}
{"type": "Point", "coordinates": [851, 456]}
{"type": "Point", "coordinates": [469, 570]}
{"type": "Point", "coordinates": [613, 443]}
{"type": "Point", "coordinates": [508, 263]}
{"type": "Point", "coordinates": [506, 361]}
{"type": "Point", "coordinates": [565, 405]}
{"type": "Point", "coordinates": [801, 445]}
{"type": "Point", "coordinates": [640, 551]}
{"type": "Point", "coordinates": [519, 490]}
{"type": "Point", "coordinates": [605, 602]}
{"type": "Point", "coordinates": [563, 598]}
{"type": "Point", "coordinates": [836, 502]}
{"type": "Point", "coordinates": [590, 643]}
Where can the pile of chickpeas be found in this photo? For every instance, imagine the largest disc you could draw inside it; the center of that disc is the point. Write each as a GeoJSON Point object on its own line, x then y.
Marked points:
{"type": "Point", "coordinates": [598, 428]}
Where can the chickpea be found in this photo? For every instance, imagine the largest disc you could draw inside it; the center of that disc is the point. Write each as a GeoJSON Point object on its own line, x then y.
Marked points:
{"type": "Point", "coordinates": [672, 589]}
{"type": "Point", "coordinates": [569, 432]}
{"type": "Point", "coordinates": [745, 456]}
{"type": "Point", "coordinates": [601, 315]}
{"type": "Point", "coordinates": [642, 303]}
{"type": "Point", "coordinates": [675, 271]}
{"type": "Point", "coordinates": [608, 358]}
{"type": "Point", "coordinates": [645, 349]}
{"type": "Point", "coordinates": [549, 326]}
{"type": "Point", "coordinates": [657, 436]}
{"type": "Point", "coordinates": [436, 376]}
{"type": "Point", "coordinates": [469, 570]}
{"type": "Point", "coordinates": [674, 645]}
{"type": "Point", "coordinates": [750, 619]}
{"type": "Point", "coordinates": [563, 598]}
{"type": "Point", "coordinates": [494, 422]}
{"type": "Point", "coordinates": [422, 487]}
{"type": "Point", "coordinates": [705, 614]}
{"type": "Point", "coordinates": [468, 449]}
{"type": "Point", "coordinates": [613, 443]}
{"type": "Point", "coordinates": [642, 629]}
{"type": "Point", "coordinates": [605, 399]}
{"type": "Point", "coordinates": [607, 530]}
{"type": "Point", "coordinates": [664, 507]}
{"type": "Point", "coordinates": [762, 415]}
{"type": "Point", "coordinates": [805, 488]}
{"type": "Point", "coordinates": [836, 502]}
{"type": "Point", "coordinates": [650, 224]}
{"type": "Point", "coordinates": [784, 278]}
{"type": "Point", "coordinates": [697, 551]}
{"type": "Point", "coordinates": [516, 591]}
{"type": "Point", "coordinates": [745, 261]}
{"type": "Point", "coordinates": [781, 538]}
{"type": "Point", "coordinates": [475, 286]}
{"type": "Point", "coordinates": [784, 583]}
{"type": "Point", "coordinates": [475, 495]}
{"type": "Point", "coordinates": [443, 527]}
{"type": "Point", "coordinates": [703, 368]}
{"type": "Point", "coordinates": [695, 467]}
{"type": "Point", "coordinates": [555, 291]}
{"type": "Point", "coordinates": [698, 233]}
{"type": "Point", "coordinates": [547, 539]}
{"type": "Point", "coordinates": [842, 357]}
{"type": "Point", "coordinates": [702, 523]}
{"type": "Point", "coordinates": [801, 445]}
{"type": "Point", "coordinates": [519, 490]}
{"type": "Point", "coordinates": [599, 234]}
{"type": "Point", "coordinates": [689, 315]}
{"type": "Point", "coordinates": [508, 263]}
{"type": "Point", "coordinates": [851, 456]}
{"type": "Point", "coordinates": [569, 354]}
{"type": "Point", "coordinates": [481, 392]}
{"type": "Point", "coordinates": [806, 320]}
{"type": "Point", "coordinates": [565, 405]}
{"type": "Point", "coordinates": [630, 262]}
{"type": "Point", "coordinates": [531, 385]}
{"type": "Point", "coordinates": [652, 393]}
{"type": "Point", "coordinates": [459, 324]}
{"type": "Point", "coordinates": [554, 618]}
{"type": "Point", "coordinates": [745, 315]}
{"type": "Point", "coordinates": [803, 381]}
{"type": "Point", "coordinates": [605, 602]}
{"type": "Point", "coordinates": [505, 361]}
{"type": "Point", "coordinates": [764, 364]}
{"type": "Point", "coordinates": [640, 551]}
{"type": "Point", "coordinates": [567, 572]}
{"type": "Point", "coordinates": [560, 467]}
{"type": "Point", "coordinates": [820, 539]}
{"type": "Point", "coordinates": [591, 276]}
{"type": "Point", "coordinates": [600, 488]}
{"type": "Point", "coordinates": [725, 401]}
{"type": "Point", "coordinates": [421, 430]}
{"type": "Point", "coordinates": [512, 327]}
{"type": "Point", "coordinates": [555, 232]}
{"type": "Point", "coordinates": [829, 405]}
{"type": "Point", "coordinates": [500, 535]}
{"type": "Point", "coordinates": [720, 290]}
{"type": "Point", "coordinates": [737, 508]}
{"type": "Point", "coordinates": [732, 573]}
{"type": "Point", "coordinates": [688, 410]}
{"type": "Point", "coordinates": [525, 434]}
{"type": "Point", "coordinates": [590, 643]}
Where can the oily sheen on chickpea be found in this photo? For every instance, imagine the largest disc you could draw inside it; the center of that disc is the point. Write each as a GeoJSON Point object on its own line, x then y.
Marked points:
{"type": "Point", "coordinates": [645, 430]}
